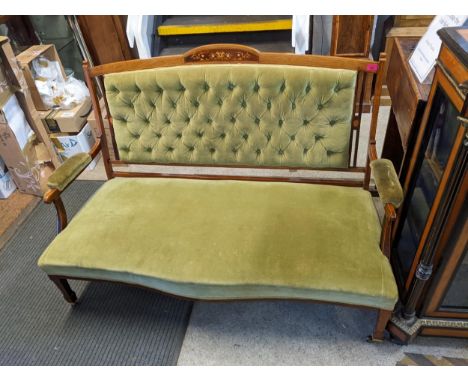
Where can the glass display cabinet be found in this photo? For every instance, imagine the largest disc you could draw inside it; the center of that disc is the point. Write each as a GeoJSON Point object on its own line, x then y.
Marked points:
{"type": "Point", "coordinates": [429, 254]}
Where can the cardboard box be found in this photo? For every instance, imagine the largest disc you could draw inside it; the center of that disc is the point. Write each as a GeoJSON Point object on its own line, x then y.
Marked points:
{"type": "Point", "coordinates": [7, 186]}
{"type": "Point", "coordinates": [5, 88]}
{"type": "Point", "coordinates": [27, 160]}
{"type": "Point", "coordinates": [70, 144]}
{"type": "Point", "coordinates": [25, 60]}
{"type": "Point", "coordinates": [67, 121]}
{"type": "Point", "coordinates": [18, 85]}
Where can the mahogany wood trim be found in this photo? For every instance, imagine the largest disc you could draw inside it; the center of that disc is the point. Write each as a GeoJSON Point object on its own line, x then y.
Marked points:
{"type": "Point", "coordinates": [239, 166]}
{"type": "Point", "coordinates": [453, 313]}
{"type": "Point", "coordinates": [109, 119]}
{"type": "Point", "coordinates": [383, 317]}
{"type": "Point", "coordinates": [442, 332]}
{"type": "Point", "coordinates": [360, 84]}
{"type": "Point", "coordinates": [336, 182]}
{"type": "Point", "coordinates": [136, 64]}
{"type": "Point", "coordinates": [98, 116]}
{"type": "Point", "coordinates": [397, 333]}
{"type": "Point", "coordinates": [374, 118]}
{"type": "Point", "coordinates": [356, 120]}
{"type": "Point", "coordinates": [363, 65]}
{"type": "Point", "coordinates": [453, 65]}
{"type": "Point", "coordinates": [387, 228]}
{"type": "Point", "coordinates": [372, 151]}
{"type": "Point", "coordinates": [62, 221]}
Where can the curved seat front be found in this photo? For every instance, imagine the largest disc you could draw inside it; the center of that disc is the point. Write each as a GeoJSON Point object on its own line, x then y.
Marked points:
{"type": "Point", "coordinates": [224, 239]}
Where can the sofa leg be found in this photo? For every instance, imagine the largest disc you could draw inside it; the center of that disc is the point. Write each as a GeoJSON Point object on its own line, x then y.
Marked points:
{"type": "Point", "coordinates": [65, 288]}
{"type": "Point", "coordinates": [379, 329]}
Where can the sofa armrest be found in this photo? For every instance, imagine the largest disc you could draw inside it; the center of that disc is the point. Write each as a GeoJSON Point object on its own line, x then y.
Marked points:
{"type": "Point", "coordinates": [386, 181]}
{"type": "Point", "coordinates": [63, 176]}
{"type": "Point", "coordinates": [68, 171]}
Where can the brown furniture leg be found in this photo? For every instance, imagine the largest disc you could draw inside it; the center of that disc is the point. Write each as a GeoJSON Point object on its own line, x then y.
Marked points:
{"type": "Point", "coordinates": [379, 329]}
{"type": "Point", "coordinates": [64, 287]}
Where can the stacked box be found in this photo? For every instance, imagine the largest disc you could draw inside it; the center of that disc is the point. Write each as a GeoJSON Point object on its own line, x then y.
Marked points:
{"type": "Point", "coordinates": [25, 60]}
{"type": "Point", "coordinates": [26, 158]}
{"type": "Point", "coordinates": [71, 144]}
{"type": "Point", "coordinates": [19, 86]}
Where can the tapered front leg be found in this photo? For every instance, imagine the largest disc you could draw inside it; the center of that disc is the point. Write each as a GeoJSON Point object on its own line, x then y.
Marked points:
{"type": "Point", "coordinates": [379, 330]}
{"type": "Point", "coordinates": [65, 288]}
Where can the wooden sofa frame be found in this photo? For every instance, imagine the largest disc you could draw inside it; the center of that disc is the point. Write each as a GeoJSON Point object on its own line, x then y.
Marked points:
{"type": "Point", "coordinates": [233, 53]}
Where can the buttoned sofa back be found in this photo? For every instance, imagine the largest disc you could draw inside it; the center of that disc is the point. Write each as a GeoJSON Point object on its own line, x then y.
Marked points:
{"type": "Point", "coordinates": [233, 114]}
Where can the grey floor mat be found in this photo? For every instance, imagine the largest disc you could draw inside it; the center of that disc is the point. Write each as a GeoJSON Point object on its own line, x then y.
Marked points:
{"type": "Point", "coordinates": [112, 324]}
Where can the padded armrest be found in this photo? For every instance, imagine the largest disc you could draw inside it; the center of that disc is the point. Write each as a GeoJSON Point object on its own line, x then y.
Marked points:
{"type": "Point", "coordinates": [68, 171]}
{"type": "Point", "coordinates": [386, 180]}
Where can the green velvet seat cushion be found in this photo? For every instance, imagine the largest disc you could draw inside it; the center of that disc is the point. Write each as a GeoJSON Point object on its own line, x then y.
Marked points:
{"type": "Point", "coordinates": [229, 239]}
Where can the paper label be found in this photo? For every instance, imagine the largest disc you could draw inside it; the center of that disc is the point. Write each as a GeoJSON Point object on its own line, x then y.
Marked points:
{"type": "Point", "coordinates": [424, 56]}
{"type": "Point", "coordinates": [372, 67]}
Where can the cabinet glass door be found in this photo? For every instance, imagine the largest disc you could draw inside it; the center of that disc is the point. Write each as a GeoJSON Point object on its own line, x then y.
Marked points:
{"type": "Point", "coordinates": [457, 294]}
{"type": "Point", "coordinates": [440, 135]}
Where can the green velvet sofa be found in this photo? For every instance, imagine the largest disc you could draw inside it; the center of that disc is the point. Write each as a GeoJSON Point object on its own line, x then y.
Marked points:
{"type": "Point", "coordinates": [233, 237]}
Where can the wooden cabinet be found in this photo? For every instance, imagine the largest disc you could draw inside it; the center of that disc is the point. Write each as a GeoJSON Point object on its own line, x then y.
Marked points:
{"type": "Point", "coordinates": [105, 38]}
{"type": "Point", "coordinates": [412, 20]}
{"type": "Point", "coordinates": [430, 244]}
{"type": "Point", "coordinates": [351, 36]}
{"type": "Point", "coordinates": [409, 99]}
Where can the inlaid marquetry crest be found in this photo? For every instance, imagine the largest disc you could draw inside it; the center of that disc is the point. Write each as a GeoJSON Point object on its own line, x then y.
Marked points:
{"type": "Point", "coordinates": [223, 55]}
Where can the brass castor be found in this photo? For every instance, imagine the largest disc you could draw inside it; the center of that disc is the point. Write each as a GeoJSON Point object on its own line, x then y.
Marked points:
{"type": "Point", "coordinates": [372, 339]}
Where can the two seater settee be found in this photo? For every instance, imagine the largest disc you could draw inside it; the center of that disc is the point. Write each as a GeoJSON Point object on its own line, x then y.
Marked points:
{"type": "Point", "coordinates": [231, 237]}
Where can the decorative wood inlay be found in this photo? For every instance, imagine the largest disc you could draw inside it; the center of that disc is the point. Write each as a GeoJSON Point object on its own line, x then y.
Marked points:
{"type": "Point", "coordinates": [221, 55]}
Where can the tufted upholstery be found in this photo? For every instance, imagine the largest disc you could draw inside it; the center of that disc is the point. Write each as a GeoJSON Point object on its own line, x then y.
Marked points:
{"type": "Point", "coordinates": [244, 114]}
